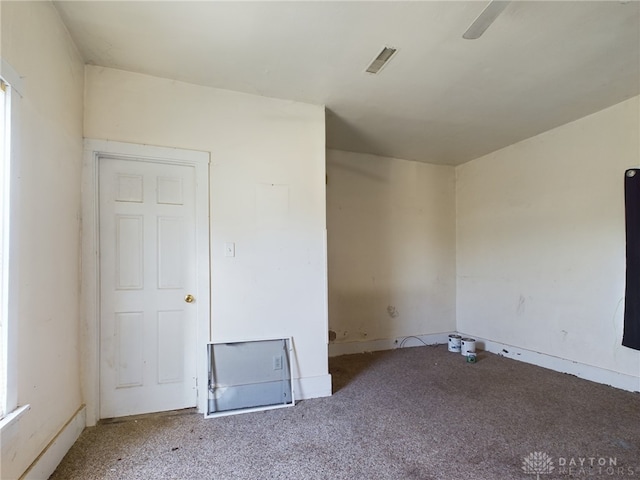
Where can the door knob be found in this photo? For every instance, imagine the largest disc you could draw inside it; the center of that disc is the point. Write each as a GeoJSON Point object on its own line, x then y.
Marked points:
{"type": "Point", "coordinates": [189, 298]}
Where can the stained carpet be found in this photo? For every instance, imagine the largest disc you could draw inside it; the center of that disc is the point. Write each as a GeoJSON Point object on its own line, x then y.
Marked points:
{"type": "Point", "coordinates": [414, 413]}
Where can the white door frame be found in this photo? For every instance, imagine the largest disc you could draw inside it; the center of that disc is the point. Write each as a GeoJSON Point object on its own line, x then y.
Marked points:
{"type": "Point", "coordinates": [90, 294]}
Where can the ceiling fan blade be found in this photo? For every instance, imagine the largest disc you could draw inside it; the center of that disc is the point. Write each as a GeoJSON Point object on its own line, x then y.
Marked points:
{"type": "Point", "coordinates": [486, 18]}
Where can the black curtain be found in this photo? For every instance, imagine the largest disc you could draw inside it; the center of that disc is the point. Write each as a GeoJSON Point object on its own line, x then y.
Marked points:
{"type": "Point", "coordinates": [631, 336]}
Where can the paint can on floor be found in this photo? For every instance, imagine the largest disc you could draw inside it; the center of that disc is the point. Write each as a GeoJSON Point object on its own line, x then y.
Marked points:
{"type": "Point", "coordinates": [467, 345]}
{"type": "Point", "coordinates": [454, 343]}
{"type": "Point", "coordinates": [471, 357]}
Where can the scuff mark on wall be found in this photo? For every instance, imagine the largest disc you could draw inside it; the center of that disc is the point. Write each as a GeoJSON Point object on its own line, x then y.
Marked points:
{"type": "Point", "coordinates": [520, 307]}
{"type": "Point", "coordinates": [392, 311]}
{"type": "Point", "coordinates": [332, 336]}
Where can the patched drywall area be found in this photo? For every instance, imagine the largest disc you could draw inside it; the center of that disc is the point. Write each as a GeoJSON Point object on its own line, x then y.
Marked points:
{"type": "Point", "coordinates": [267, 201]}
{"type": "Point", "coordinates": [391, 243]}
{"type": "Point", "coordinates": [541, 241]}
{"type": "Point", "coordinates": [45, 227]}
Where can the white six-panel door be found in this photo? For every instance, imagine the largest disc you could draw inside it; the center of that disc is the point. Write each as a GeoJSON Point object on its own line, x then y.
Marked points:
{"type": "Point", "coordinates": [147, 269]}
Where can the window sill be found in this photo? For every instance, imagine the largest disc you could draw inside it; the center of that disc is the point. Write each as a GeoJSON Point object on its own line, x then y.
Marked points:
{"type": "Point", "coordinates": [12, 417]}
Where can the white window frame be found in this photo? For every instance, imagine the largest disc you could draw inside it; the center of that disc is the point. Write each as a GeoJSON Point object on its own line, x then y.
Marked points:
{"type": "Point", "coordinates": [5, 136]}
{"type": "Point", "coordinates": [13, 95]}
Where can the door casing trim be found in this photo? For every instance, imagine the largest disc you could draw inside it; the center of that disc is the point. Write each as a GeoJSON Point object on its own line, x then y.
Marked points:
{"type": "Point", "coordinates": [90, 287]}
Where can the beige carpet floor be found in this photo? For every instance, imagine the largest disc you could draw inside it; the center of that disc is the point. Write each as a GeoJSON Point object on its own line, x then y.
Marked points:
{"type": "Point", "coordinates": [413, 413]}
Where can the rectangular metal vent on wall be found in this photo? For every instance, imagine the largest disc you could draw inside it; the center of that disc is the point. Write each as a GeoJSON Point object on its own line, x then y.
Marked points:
{"type": "Point", "coordinates": [381, 60]}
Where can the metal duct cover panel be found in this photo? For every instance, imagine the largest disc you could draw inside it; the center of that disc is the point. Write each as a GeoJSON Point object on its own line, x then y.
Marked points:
{"type": "Point", "coordinates": [380, 61]}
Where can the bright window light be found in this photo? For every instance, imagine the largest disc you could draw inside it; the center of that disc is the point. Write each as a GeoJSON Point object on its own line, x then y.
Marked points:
{"type": "Point", "coordinates": [4, 175]}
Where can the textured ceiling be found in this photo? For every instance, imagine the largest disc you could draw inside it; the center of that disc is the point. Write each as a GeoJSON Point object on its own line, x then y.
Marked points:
{"type": "Point", "coordinates": [441, 99]}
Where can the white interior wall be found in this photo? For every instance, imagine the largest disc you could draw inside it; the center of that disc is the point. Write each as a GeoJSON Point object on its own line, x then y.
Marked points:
{"type": "Point", "coordinates": [45, 227]}
{"type": "Point", "coordinates": [391, 231]}
{"type": "Point", "coordinates": [541, 241]}
{"type": "Point", "coordinates": [267, 195]}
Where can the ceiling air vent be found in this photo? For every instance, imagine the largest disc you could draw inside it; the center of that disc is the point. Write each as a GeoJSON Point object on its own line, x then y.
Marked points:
{"type": "Point", "coordinates": [380, 61]}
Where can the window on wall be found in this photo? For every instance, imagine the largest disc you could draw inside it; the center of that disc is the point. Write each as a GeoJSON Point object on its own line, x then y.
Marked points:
{"type": "Point", "coordinates": [4, 191]}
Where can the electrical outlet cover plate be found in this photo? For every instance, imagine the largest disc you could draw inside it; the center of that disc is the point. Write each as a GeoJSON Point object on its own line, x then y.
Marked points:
{"type": "Point", "coordinates": [277, 362]}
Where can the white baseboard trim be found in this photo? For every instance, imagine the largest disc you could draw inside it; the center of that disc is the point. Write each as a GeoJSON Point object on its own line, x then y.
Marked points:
{"type": "Point", "coordinates": [348, 348]}
{"type": "Point", "coordinates": [581, 370]}
{"type": "Point", "coordinates": [46, 463]}
{"type": "Point", "coordinates": [312, 387]}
